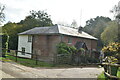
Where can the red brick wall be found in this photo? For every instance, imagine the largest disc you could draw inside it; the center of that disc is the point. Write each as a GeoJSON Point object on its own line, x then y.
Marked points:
{"type": "Point", "coordinates": [45, 45]}
{"type": "Point", "coordinates": [90, 43]}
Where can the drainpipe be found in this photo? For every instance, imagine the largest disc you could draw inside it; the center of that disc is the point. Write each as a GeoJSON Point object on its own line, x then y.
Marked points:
{"type": "Point", "coordinates": [32, 46]}
{"type": "Point", "coordinates": [91, 48]}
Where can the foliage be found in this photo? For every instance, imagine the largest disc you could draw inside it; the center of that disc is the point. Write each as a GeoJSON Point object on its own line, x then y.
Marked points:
{"type": "Point", "coordinates": [64, 53]}
{"type": "Point", "coordinates": [11, 30]}
{"type": "Point", "coordinates": [2, 15]}
{"type": "Point", "coordinates": [63, 48]}
{"type": "Point", "coordinates": [118, 73]}
{"type": "Point", "coordinates": [71, 55]}
{"type": "Point", "coordinates": [87, 59]}
{"type": "Point", "coordinates": [116, 13]}
{"type": "Point", "coordinates": [74, 24]}
{"type": "Point", "coordinates": [116, 10]}
{"type": "Point", "coordinates": [96, 26]}
{"type": "Point", "coordinates": [103, 77]}
{"type": "Point", "coordinates": [111, 60]}
{"type": "Point", "coordinates": [110, 34]}
{"type": "Point", "coordinates": [35, 19]}
{"type": "Point", "coordinates": [111, 51]}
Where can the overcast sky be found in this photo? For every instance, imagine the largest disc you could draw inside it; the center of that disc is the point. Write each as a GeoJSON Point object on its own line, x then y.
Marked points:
{"type": "Point", "coordinates": [60, 10]}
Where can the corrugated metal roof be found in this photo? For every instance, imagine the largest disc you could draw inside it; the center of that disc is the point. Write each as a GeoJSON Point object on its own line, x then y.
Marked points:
{"type": "Point", "coordinates": [58, 29]}
{"type": "Point", "coordinates": [41, 30]}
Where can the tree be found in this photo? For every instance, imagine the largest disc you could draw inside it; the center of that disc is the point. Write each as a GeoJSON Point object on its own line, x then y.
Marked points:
{"type": "Point", "coordinates": [74, 24]}
{"type": "Point", "coordinates": [110, 34]}
{"type": "Point", "coordinates": [35, 19]}
{"type": "Point", "coordinates": [96, 26]}
{"type": "Point", "coordinates": [2, 16]}
{"type": "Point", "coordinates": [11, 29]}
{"type": "Point", "coordinates": [63, 23]}
{"type": "Point", "coordinates": [116, 12]}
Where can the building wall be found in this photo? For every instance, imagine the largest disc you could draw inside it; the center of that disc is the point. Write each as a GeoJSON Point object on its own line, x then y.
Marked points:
{"type": "Point", "coordinates": [91, 44]}
{"type": "Point", "coordinates": [23, 42]}
{"type": "Point", "coordinates": [45, 45]}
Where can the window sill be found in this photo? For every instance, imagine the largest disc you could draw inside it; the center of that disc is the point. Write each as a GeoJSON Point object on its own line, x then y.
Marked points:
{"type": "Point", "coordinates": [29, 41]}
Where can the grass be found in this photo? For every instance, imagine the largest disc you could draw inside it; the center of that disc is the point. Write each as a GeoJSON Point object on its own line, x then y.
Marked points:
{"type": "Point", "coordinates": [101, 76]}
{"type": "Point", "coordinates": [28, 62]}
{"type": "Point", "coordinates": [32, 63]}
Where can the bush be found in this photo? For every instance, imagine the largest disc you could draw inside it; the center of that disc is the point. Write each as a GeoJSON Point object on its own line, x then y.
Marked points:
{"type": "Point", "coordinates": [112, 51]}
{"type": "Point", "coordinates": [64, 53]}
{"type": "Point", "coordinates": [71, 55]}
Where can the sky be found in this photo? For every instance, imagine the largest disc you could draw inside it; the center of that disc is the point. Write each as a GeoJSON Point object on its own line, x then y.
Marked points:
{"type": "Point", "coordinates": [61, 11]}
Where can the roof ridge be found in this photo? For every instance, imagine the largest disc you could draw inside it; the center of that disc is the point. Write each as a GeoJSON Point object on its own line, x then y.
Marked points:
{"type": "Point", "coordinates": [68, 26]}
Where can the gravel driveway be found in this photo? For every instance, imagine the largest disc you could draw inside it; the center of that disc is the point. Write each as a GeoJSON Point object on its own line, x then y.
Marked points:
{"type": "Point", "coordinates": [20, 71]}
{"type": "Point", "coordinates": [4, 75]}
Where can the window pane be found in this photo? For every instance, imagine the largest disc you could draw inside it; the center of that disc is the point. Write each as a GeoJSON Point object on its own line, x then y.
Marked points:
{"type": "Point", "coordinates": [29, 38]}
{"type": "Point", "coordinates": [23, 51]}
{"type": "Point", "coordinates": [69, 40]}
{"type": "Point", "coordinates": [62, 38]}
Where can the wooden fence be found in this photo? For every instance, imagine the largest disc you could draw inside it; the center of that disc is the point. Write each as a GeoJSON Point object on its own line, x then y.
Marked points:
{"type": "Point", "coordinates": [14, 53]}
{"type": "Point", "coordinates": [36, 57]}
{"type": "Point", "coordinates": [110, 70]}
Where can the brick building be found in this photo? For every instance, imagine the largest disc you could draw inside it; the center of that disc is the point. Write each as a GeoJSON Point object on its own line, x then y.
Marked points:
{"type": "Point", "coordinates": [43, 40]}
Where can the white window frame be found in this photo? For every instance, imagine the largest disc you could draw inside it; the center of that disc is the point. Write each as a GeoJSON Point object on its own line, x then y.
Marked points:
{"type": "Point", "coordinates": [29, 38]}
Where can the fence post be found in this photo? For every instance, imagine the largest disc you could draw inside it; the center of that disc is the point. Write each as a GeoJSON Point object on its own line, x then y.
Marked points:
{"type": "Point", "coordinates": [36, 59]}
{"type": "Point", "coordinates": [16, 55]}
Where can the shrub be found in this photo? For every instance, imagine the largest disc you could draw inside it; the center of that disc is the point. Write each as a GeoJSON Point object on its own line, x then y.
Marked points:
{"type": "Point", "coordinates": [111, 49]}
{"type": "Point", "coordinates": [112, 52]}
{"type": "Point", "coordinates": [64, 53]}
{"type": "Point", "coordinates": [71, 55]}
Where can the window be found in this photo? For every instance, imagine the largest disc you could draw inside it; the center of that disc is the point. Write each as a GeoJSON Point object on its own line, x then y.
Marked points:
{"type": "Point", "coordinates": [69, 40]}
{"type": "Point", "coordinates": [29, 38]}
{"type": "Point", "coordinates": [62, 38]}
{"type": "Point", "coordinates": [23, 51]}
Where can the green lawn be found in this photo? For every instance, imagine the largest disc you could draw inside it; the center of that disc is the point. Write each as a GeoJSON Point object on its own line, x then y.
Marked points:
{"type": "Point", "coordinates": [32, 63]}
{"type": "Point", "coordinates": [28, 62]}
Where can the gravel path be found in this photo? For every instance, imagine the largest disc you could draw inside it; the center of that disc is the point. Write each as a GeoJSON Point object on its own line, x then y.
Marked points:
{"type": "Point", "coordinates": [20, 71]}
{"type": "Point", "coordinates": [4, 75]}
